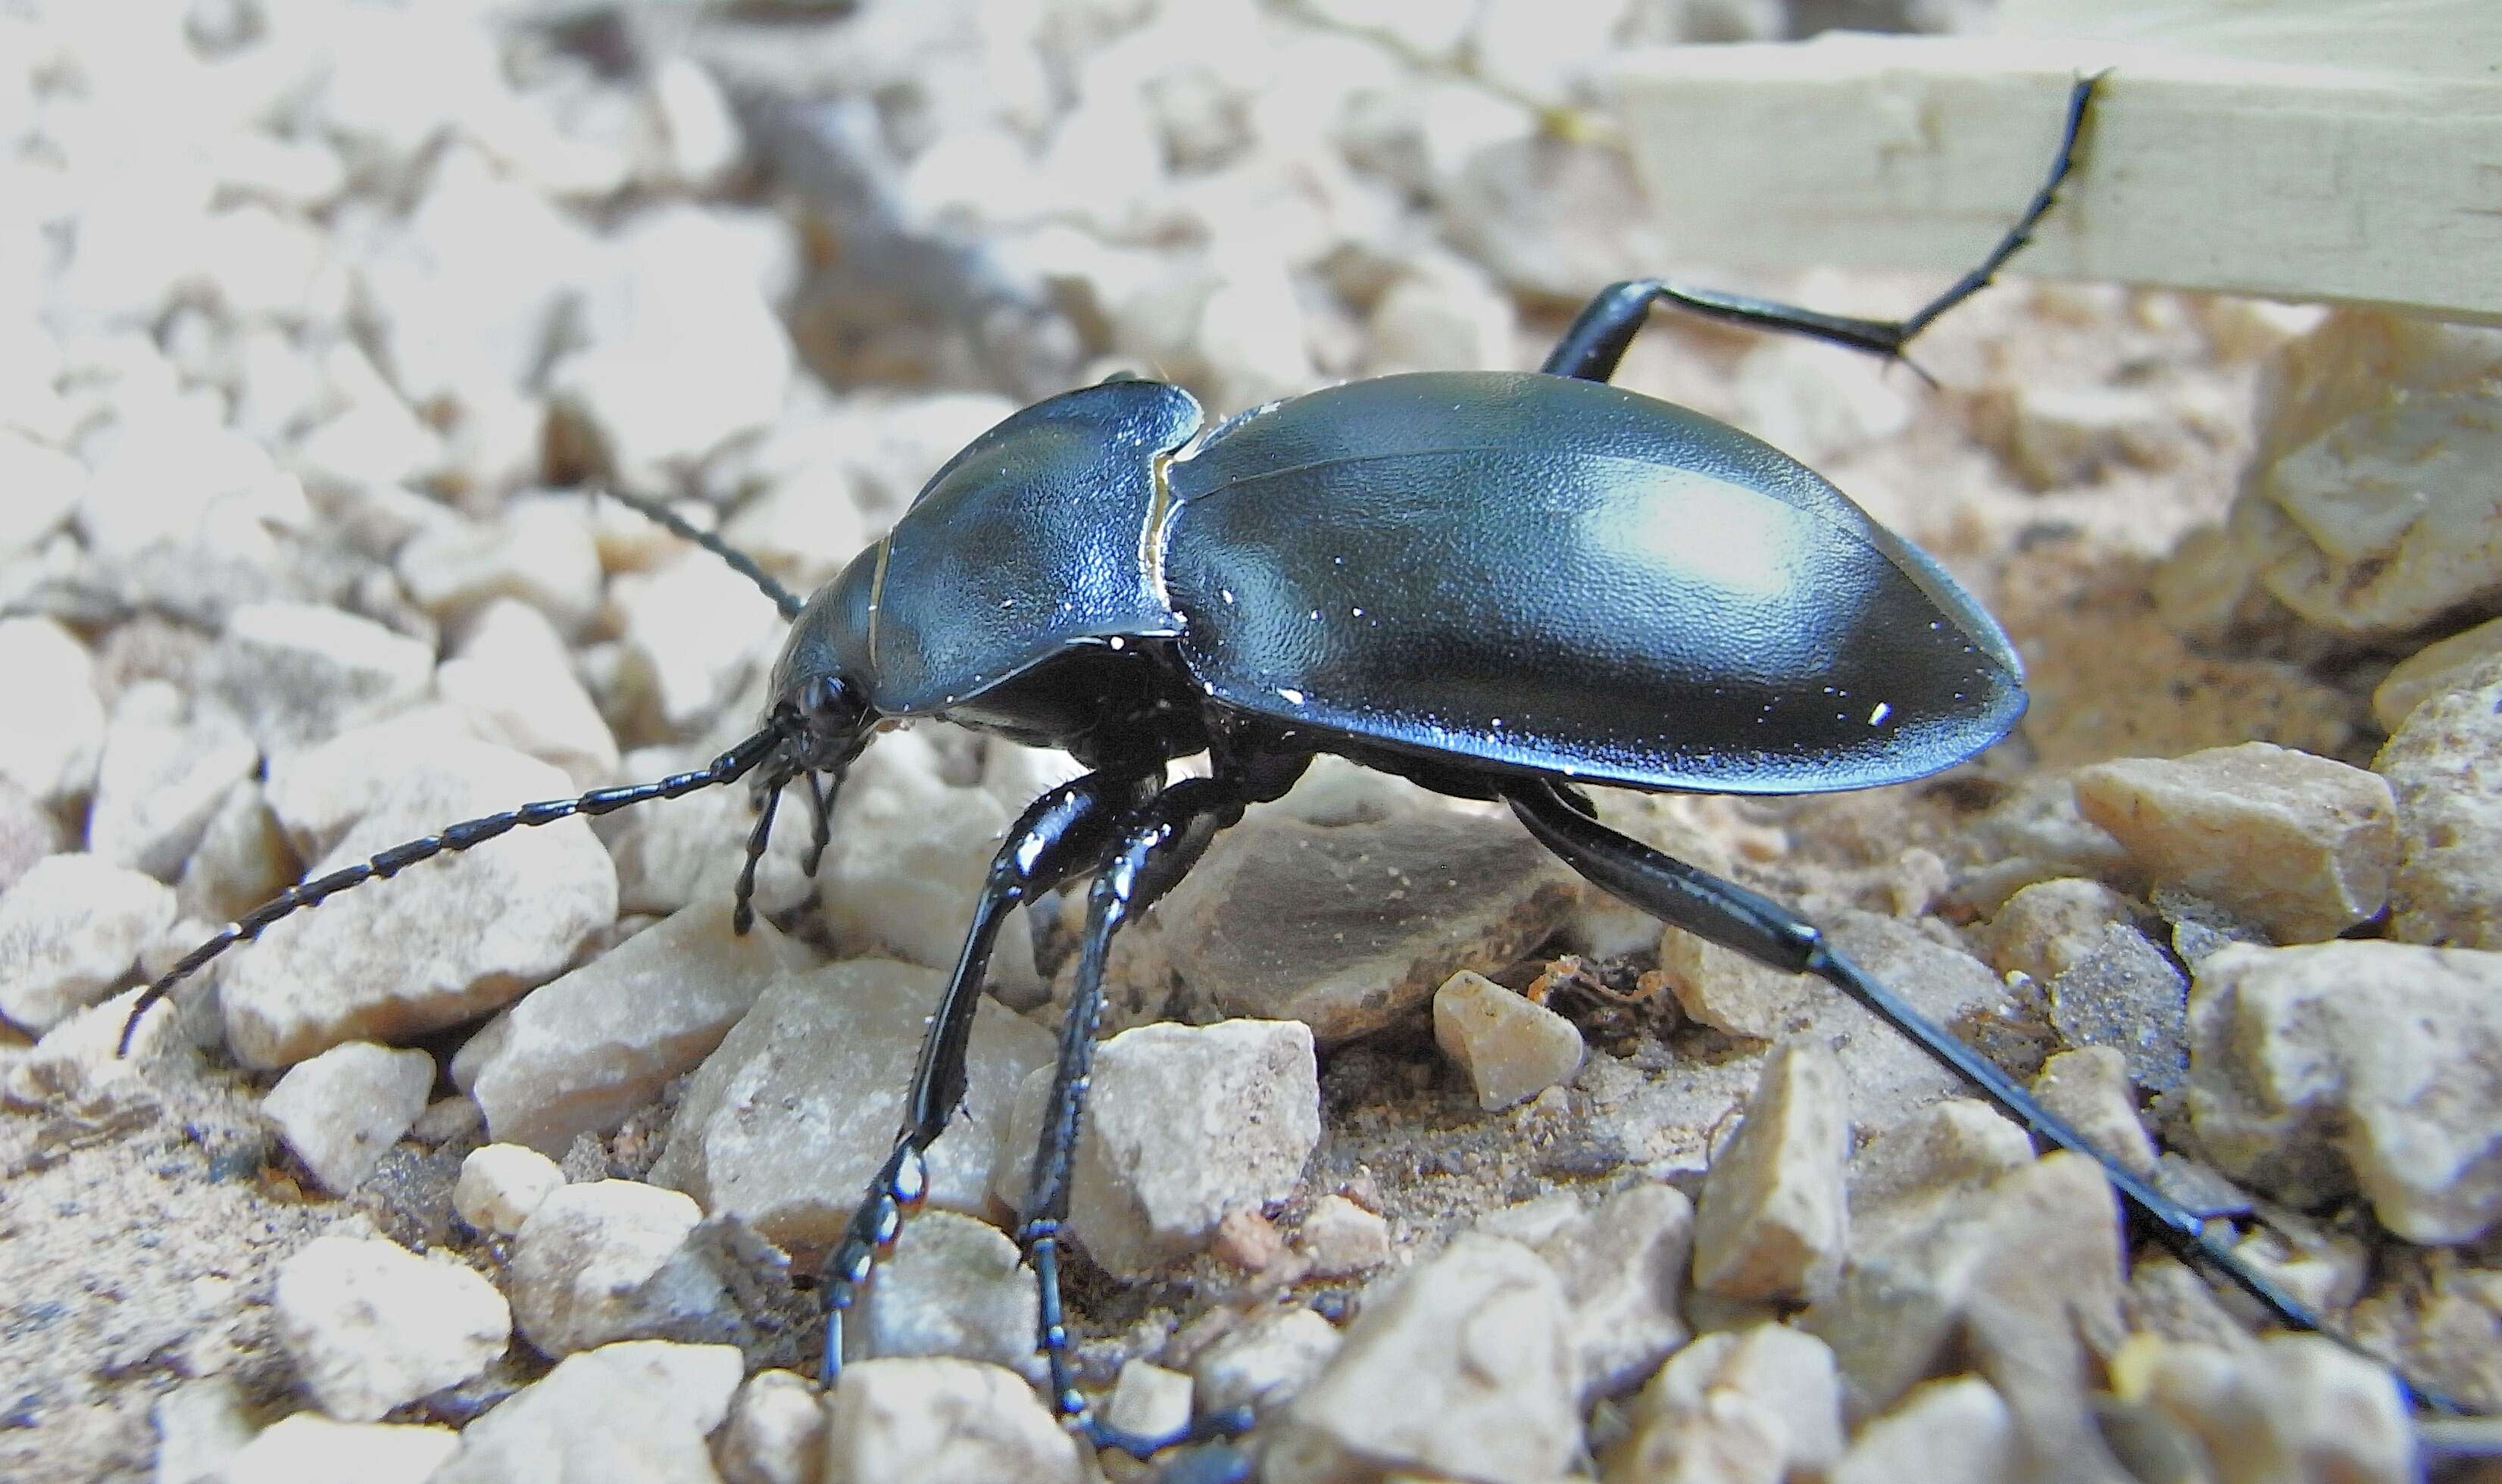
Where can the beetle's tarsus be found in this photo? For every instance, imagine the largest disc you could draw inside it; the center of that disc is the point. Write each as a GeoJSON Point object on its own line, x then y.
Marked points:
{"type": "Point", "coordinates": [1595, 342]}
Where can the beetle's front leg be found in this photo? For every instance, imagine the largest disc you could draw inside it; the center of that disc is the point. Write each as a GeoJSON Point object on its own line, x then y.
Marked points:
{"type": "Point", "coordinates": [1062, 834]}
{"type": "Point", "coordinates": [1607, 323]}
{"type": "Point", "coordinates": [1157, 846]}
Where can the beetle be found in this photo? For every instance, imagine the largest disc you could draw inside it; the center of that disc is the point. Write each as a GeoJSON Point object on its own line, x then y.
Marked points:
{"type": "Point", "coordinates": [1499, 585]}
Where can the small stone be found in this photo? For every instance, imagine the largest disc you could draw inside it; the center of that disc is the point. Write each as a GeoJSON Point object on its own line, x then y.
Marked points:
{"type": "Point", "coordinates": [2019, 1281]}
{"type": "Point", "coordinates": [1727, 991]}
{"type": "Point", "coordinates": [1787, 1374]}
{"type": "Point", "coordinates": [2123, 993]}
{"type": "Point", "coordinates": [2366, 406]}
{"type": "Point", "coordinates": [952, 1287]}
{"type": "Point", "coordinates": [1341, 1239]}
{"type": "Point", "coordinates": [371, 1326]}
{"type": "Point", "coordinates": [1250, 1241]}
{"type": "Point", "coordinates": [2047, 928]}
{"type": "Point", "coordinates": [1511, 1049]}
{"type": "Point", "coordinates": [776, 1432]}
{"type": "Point", "coordinates": [2318, 1070]}
{"type": "Point", "coordinates": [879, 1427]}
{"type": "Point", "coordinates": [1955, 1432]}
{"type": "Point", "coordinates": [1349, 929]}
{"type": "Point", "coordinates": [1623, 1267]}
{"type": "Point", "coordinates": [2061, 437]}
{"type": "Point", "coordinates": [1906, 1175]}
{"type": "Point", "coordinates": [439, 943]}
{"type": "Point", "coordinates": [638, 1410]}
{"type": "Point", "coordinates": [607, 1261]}
{"type": "Point", "coordinates": [515, 683]}
{"type": "Point", "coordinates": [1148, 1400]}
{"type": "Point", "coordinates": [48, 749]}
{"type": "Point", "coordinates": [586, 1049]}
{"type": "Point", "coordinates": [71, 930]}
{"type": "Point", "coordinates": [2438, 668]}
{"type": "Point", "coordinates": [342, 1110]}
{"type": "Point", "coordinates": [297, 673]}
{"type": "Point", "coordinates": [1772, 1222]}
{"type": "Point", "coordinates": [501, 1184]}
{"type": "Point", "coordinates": [2295, 1407]}
{"type": "Point", "coordinates": [1464, 1367]}
{"type": "Point", "coordinates": [162, 779]}
{"type": "Point", "coordinates": [2441, 767]}
{"type": "Point", "coordinates": [1265, 1362]}
{"type": "Point", "coordinates": [447, 1119]}
{"type": "Point", "coordinates": [2303, 846]}
{"type": "Point", "coordinates": [785, 1123]}
{"type": "Point", "coordinates": [1184, 1124]}
{"type": "Point", "coordinates": [2090, 1090]}
{"type": "Point", "coordinates": [309, 1446]}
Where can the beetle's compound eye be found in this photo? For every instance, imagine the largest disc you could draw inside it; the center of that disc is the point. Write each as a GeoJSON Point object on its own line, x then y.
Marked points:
{"type": "Point", "coordinates": [831, 706]}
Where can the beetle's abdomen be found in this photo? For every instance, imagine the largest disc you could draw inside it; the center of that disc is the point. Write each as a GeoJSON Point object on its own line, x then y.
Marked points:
{"type": "Point", "coordinates": [1571, 578]}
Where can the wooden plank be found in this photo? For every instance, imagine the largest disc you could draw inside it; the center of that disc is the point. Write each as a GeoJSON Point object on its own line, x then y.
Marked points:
{"type": "Point", "coordinates": [2213, 160]}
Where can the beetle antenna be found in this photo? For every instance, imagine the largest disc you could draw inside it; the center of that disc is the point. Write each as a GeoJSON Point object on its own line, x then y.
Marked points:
{"type": "Point", "coordinates": [729, 767]}
{"type": "Point", "coordinates": [739, 561]}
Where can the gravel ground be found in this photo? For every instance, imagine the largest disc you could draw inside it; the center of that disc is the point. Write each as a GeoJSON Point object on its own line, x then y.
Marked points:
{"type": "Point", "coordinates": [323, 320]}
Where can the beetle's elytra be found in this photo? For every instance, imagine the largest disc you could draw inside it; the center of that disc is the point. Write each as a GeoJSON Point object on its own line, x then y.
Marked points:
{"type": "Point", "coordinates": [1501, 585]}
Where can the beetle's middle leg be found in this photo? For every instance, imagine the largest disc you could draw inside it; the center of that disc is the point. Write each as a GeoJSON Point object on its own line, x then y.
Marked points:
{"type": "Point", "coordinates": [1597, 339]}
{"type": "Point", "coordinates": [1062, 834]}
{"type": "Point", "coordinates": [1157, 845]}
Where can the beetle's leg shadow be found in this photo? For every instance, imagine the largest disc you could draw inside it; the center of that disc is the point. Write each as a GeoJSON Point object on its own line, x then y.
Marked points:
{"type": "Point", "coordinates": [1156, 844]}
{"type": "Point", "coordinates": [1064, 833]}
{"type": "Point", "coordinates": [1597, 339]}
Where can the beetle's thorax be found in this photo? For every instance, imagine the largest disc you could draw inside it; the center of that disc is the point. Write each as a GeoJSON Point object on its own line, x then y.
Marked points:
{"type": "Point", "coordinates": [1030, 546]}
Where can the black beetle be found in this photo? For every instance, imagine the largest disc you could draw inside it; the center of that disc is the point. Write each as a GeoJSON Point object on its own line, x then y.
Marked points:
{"type": "Point", "coordinates": [1499, 585]}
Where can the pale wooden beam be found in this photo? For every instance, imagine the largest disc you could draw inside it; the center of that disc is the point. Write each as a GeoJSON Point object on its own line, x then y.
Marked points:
{"type": "Point", "coordinates": [2302, 149]}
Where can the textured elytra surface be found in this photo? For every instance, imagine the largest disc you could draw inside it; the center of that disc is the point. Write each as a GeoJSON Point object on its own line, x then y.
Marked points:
{"type": "Point", "coordinates": [323, 366]}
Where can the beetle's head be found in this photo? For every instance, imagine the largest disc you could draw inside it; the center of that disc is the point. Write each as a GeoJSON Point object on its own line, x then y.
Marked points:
{"type": "Point", "coordinates": [820, 704]}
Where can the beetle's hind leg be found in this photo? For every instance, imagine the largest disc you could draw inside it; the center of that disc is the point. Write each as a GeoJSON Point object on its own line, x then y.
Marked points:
{"type": "Point", "coordinates": [1156, 845]}
{"type": "Point", "coordinates": [1597, 339]}
{"type": "Point", "coordinates": [1770, 933]}
{"type": "Point", "coordinates": [1062, 834]}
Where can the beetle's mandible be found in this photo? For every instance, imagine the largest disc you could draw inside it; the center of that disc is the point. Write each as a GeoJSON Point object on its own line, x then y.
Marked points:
{"type": "Point", "coordinates": [1499, 585]}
